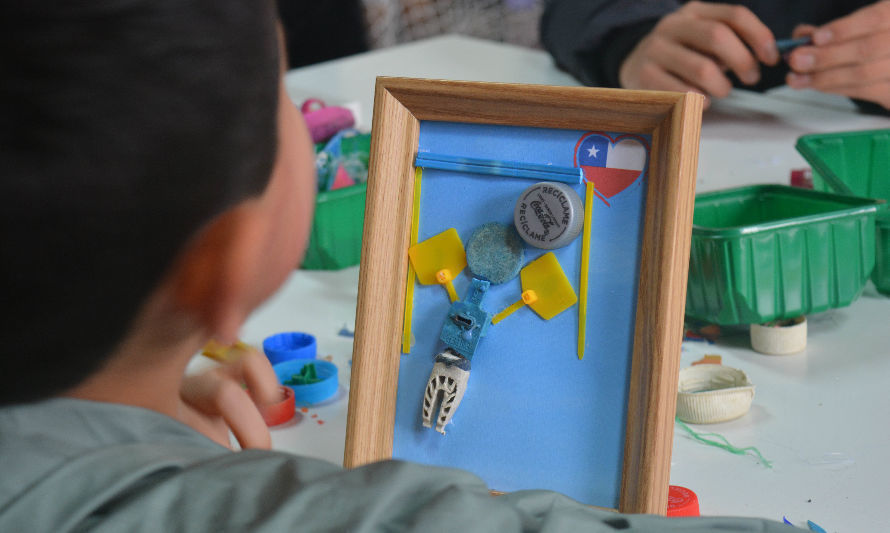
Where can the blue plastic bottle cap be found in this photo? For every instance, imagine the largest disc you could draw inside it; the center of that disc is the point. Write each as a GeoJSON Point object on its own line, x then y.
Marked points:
{"type": "Point", "coordinates": [549, 215]}
{"type": "Point", "coordinates": [311, 393]}
{"type": "Point", "coordinates": [291, 345]}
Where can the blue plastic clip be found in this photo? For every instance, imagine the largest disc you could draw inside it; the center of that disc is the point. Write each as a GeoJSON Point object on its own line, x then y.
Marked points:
{"type": "Point", "coordinates": [467, 322]}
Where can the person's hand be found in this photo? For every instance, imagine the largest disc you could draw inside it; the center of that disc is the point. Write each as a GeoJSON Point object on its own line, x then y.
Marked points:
{"type": "Point", "coordinates": [216, 401]}
{"type": "Point", "coordinates": [849, 56]}
{"type": "Point", "coordinates": [692, 48]}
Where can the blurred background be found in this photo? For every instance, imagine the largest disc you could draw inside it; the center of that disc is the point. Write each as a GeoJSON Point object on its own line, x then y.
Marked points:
{"type": "Point", "coordinates": [329, 29]}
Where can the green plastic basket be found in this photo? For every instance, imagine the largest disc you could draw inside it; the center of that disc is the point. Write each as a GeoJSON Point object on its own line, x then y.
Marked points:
{"type": "Point", "coordinates": [336, 238]}
{"type": "Point", "coordinates": [770, 252]}
{"type": "Point", "coordinates": [855, 163]}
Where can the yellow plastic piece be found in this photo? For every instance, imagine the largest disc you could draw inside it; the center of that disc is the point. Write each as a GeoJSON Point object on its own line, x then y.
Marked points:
{"type": "Point", "coordinates": [224, 353]}
{"type": "Point", "coordinates": [444, 278]}
{"type": "Point", "coordinates": [545, 276]}
{"type": "Point", "coordinates": [409, 285]}
{"type": "Point", "coordinates": [529, 297]}
{"type": "Point", "coordinates": [585, 268]}
{"type": "Point", "coordinates": [442, 252]}
{"type": "Point", "coordinates": [507, 312]}
{"type": "Point", "coordinates": [545, 288]}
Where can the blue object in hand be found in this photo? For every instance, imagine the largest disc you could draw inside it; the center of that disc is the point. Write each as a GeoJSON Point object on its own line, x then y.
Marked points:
{"type": "Point", "coordinates": [786, 46]}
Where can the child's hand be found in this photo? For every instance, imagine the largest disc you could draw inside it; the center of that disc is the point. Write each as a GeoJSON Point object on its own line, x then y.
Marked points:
{"type": "Point", "coordinates": [849, 56]}
{"type": "Point", "coordinates": [215, 402]}
{"type": "Point", "coordinates": [692, 48]}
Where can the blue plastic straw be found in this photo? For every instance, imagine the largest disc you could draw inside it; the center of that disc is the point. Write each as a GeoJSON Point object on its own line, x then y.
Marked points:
{"type": "Point", "coordinates": [507, 169]}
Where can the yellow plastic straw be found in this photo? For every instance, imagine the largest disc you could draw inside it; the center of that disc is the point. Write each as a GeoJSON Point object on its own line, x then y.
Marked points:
{"type": "Point", "coordinates": [585, 267]}
{"type": "Point", "coordinates": [409, 286]}
{"type": "Point", "coordinates": [452, 294]}
{"type": "Point", "coordinates": [508, 311]}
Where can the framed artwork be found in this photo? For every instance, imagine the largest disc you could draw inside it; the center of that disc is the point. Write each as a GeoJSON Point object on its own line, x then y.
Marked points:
{"type": "Point", "coordinates": [522, 285]}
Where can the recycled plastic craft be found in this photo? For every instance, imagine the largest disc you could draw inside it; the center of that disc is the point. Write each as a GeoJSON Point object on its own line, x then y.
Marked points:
{"type": "Point", "coordinates": [495, 255]}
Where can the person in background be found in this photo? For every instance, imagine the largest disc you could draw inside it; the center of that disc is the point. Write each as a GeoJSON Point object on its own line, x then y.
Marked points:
{"type": "Point", "coordinates": [710, 47]}
{"type": "Point", "coordinates": [321, 31]}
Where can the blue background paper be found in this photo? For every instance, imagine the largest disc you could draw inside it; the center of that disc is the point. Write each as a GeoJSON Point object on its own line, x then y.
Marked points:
{"type": "Point", "coordinates": [534, 416]}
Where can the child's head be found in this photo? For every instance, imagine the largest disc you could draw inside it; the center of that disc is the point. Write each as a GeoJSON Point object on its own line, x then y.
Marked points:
{"type": "Point", "coordinates": [126, 126]}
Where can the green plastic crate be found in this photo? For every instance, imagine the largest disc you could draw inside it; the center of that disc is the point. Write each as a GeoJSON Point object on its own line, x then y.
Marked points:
{"type": "Point", "coordinates": [855, 163]}
{"type": "Point", "coordinates": [336, 238]}
{"type": "Point", "coordinates": [770, 252]}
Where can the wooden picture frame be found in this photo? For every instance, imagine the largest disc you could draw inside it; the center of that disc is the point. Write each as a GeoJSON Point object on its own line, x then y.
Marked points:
{"type": "Point", "coordinates": [673, 120]}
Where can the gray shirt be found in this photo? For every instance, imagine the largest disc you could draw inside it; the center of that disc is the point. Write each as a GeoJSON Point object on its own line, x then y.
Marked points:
{"type": "Point", "coordinates": [73, 465]}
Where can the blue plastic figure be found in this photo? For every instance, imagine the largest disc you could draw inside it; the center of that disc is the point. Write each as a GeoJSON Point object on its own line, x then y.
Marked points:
{"type": "Point", "coordinates": [464, 327]}
{"type": "Point", "coordinates": [494, 255]}
{"type": "Point", "coordinates": [467, 322]}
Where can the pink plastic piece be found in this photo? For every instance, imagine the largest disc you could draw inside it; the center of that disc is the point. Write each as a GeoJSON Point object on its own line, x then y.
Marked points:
{"type": "Point", "coordinates": [342, 179]}
{"type": "Point", "coordinates": [327, 121]}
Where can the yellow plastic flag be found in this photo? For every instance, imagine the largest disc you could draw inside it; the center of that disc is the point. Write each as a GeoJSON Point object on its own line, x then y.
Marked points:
{"type": "Point", "coordinates": [439, 259]}
{"type": "Point", "coordinates": [545, 288]}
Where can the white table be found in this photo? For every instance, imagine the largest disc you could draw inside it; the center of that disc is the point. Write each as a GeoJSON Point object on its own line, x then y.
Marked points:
{"type": "Point", "coordinates": [822, 416]}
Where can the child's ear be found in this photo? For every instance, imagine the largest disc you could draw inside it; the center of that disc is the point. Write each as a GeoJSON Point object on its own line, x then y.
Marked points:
{"type": "Point", "coordinates": [213, 280]}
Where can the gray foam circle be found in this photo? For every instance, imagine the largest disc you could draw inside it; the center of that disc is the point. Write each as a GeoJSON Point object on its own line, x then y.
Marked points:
{"type": "Point", "coordinates": [495, 252]}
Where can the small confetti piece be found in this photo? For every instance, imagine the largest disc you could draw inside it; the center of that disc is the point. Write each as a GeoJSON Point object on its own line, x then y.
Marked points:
{"type": "Point", "coordinates": [815, 527]}
{"type": "Point", "coordinates": [709, 359]}
{"type": "Point", "coordinates": [320, 422]}
{"type": "Point", "coordinates": [701, 332]}
{"type": "Point", "coordinates": [303, 409]}
{"type": "Point", "coordinates": [314, 416]}
{"type": "Point", "coordinates": [692, 336]}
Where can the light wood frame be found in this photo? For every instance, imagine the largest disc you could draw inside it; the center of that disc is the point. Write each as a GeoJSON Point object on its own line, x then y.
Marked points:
{"type": "Point", "coordinates": [674, 122]}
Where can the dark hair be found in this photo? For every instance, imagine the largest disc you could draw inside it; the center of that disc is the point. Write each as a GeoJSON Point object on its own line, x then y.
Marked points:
{"type": "Point", "coordinates": [125, 126]}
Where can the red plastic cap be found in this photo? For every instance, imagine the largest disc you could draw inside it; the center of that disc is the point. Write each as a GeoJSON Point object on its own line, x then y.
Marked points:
{"type": "Point", "coordinates": [802, 177]}
{"type": "Point", "coordinates": [682, 502]}
{"type": "Point", "coordinates": [282, 411]}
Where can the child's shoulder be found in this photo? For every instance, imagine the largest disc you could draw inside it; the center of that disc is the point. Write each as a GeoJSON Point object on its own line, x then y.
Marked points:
{"type": "Point", "coordinates": [57, 448]}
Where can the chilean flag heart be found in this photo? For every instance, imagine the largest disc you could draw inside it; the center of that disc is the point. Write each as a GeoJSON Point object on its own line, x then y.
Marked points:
{"type": "Point", "coordinates": [612, 164]}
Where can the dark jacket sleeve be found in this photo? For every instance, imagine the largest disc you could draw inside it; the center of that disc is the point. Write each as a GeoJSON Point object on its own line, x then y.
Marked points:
{"type": "Point", "coordinates": [590, 38]}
